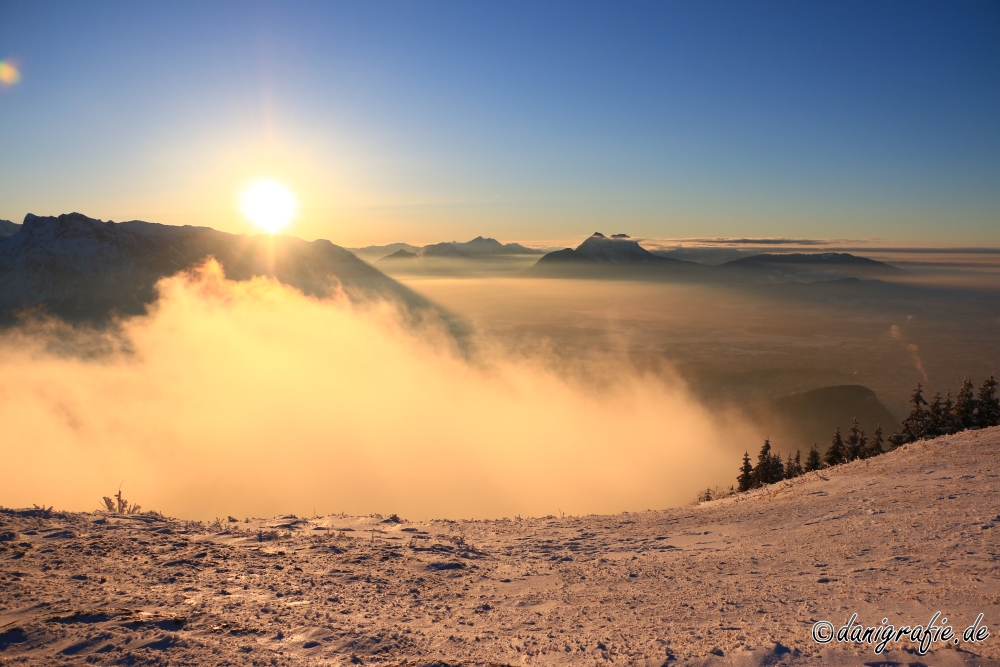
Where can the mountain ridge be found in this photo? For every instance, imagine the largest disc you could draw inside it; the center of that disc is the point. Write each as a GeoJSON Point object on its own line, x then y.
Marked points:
{"type": "Point", "coordinates": [87, 270]}
{"type": "Point", "coordinates": [8, 228]}
{"type": "Point", "coordinates": [621, 257]}
{"type": "Point", "coordinates": [477, 247]}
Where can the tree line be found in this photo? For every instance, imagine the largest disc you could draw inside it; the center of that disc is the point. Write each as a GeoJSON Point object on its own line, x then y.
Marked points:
{"type": "Point", "coordinates": [941, 416]}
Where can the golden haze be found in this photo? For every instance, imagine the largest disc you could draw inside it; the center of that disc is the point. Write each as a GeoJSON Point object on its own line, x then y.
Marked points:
{"type": "Point", "coordinates": [250, 399]}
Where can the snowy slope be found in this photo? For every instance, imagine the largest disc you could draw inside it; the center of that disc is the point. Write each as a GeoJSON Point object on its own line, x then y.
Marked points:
{"type": "Point", "coordinates": [739, 581]}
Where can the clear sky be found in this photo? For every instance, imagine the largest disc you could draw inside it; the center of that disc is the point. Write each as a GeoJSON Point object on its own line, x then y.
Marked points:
{"type": "Point", "coordinates": [431, 121]}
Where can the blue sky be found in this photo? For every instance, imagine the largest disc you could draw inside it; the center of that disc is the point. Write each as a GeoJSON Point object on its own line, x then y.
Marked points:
{"type": "Point", "coordinates": [424, 122]}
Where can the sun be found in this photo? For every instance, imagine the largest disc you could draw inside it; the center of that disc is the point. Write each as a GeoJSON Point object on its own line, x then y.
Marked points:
{"type": "Point", "coordinates": [269, 205]}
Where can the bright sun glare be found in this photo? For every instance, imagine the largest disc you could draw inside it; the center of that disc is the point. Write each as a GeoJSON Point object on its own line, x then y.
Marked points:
{"type": "Point", "coordinates": [269, 205]}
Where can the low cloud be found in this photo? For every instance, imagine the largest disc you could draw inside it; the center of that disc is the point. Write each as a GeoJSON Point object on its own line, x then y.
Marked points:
{"type": "Point", "coordinates": [251, 399]}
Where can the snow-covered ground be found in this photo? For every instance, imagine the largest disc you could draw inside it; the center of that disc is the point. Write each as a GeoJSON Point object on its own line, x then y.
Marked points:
{"type": "Point", "coordinates": [735, 581]}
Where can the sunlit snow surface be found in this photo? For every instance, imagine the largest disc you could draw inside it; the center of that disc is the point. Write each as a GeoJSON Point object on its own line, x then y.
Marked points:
{"type": "Point", "coordinates": [900, 536]}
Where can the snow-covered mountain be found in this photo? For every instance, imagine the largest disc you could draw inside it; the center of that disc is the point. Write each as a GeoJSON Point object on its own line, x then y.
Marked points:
{"type": "Point", "coordinates": [618, 249]}
{"type": "Point", "coordinates": [84, 269]}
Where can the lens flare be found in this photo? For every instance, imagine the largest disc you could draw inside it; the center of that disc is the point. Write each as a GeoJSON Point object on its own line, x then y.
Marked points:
{"type": "Point", "coordinates": [269, 205]}
{"type": "Point", "coordinates": [9, 74]}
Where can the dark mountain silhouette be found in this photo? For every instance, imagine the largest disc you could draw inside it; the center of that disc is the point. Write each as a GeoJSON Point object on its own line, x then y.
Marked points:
{"type": "Point", "coordinates": [811, 267]}
{"type": "Point", "coordinates": [813, 259]}
{"type": "Point", "coordinates": [617, 257]}
{"type": "Point", "coordinates": [8, 228]}
{"type": "Point", "coordinates": [600, 249]}
{"type": "Point", "coordinates": [400, 254]}
{"type": "Point", "coordinates": [802, 418]}
{"type": "Point", "coordinates": [620, 257]}
{"type": "Point", "coordinates": [375, 252]}
{"type": "Point", "coordinates": [477, 247]}
{"type": "Point", "coordinates": [86, 270]}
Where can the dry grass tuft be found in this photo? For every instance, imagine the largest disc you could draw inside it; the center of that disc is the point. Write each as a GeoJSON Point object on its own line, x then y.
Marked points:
{"type": "Point", "coordinates": [119, 505]}
{"type": "Point", "coordinates": [714, 494]}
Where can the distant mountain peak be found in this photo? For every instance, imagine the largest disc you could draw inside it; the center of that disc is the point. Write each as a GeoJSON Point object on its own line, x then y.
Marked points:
{"type": "Point", "coordinates": [402, 253]}
{"type": "Point", "coordinates": [615, 250]}
{"type": "Point", "coordinates": [828, 258]}
{"type": "Point", "coordinates": [478, 246]}
{"type": "Point", "coordinates": [618, 253]}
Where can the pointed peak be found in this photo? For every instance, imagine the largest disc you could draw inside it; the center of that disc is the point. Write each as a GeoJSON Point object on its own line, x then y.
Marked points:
{"type": "Point", "coordinates": [599, 234]}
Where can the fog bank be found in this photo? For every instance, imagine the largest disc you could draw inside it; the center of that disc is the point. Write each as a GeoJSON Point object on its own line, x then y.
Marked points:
{"type": "Point", "coordinates": [250, 399]}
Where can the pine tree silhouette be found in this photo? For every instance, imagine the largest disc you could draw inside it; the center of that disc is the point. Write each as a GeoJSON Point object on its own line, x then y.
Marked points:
{"type": "Point", "coordinates": [836, 454]}
{"type": "Point", "coordinates": [762, 471]}
{"type": "Point", "coordinates": [746, 478]}
{"type": "Point", "coordinates": [789, 467]}
{"type": "Point", "coordinates": [914, 427]}
{"type": "Point", "coordinates": [987, 404]}
{"type": "Point", "coordinates": [813, 461]}
{"type": "Point", "coordinates": [777, 468]}
{"type": "Point", "coordinates": [935, 418]}
{"type": "Point", "coordinates": [965, 404]}
{"type": "Point", "coordinates": [950, 421]}
{"type": "Point", "coordinates": [942, 416]}
{"type": "Point", "coordinates": [874, 445]}
{"type": "Point", "coordinates": [855, 442]}
{"type": "Point", "coordinates": [769, 468]}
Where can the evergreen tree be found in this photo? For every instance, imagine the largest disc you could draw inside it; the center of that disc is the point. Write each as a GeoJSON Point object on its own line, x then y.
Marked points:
{"type": "Point", "coordinates": [951, 423]}
{"type": "Point", "coordinates": [873, 447]}
{"type": "Point", "coordinates": [915, 425]}
{"type": "Point", "coordinates": [813, 461]}
{"type": "Point", "coordinates": [789, 467]}
{"type": "Point", "coordinates": [935, 418]}
{"type": "Point", "coordinates": [987, 404]}
{"type": "Point", "coordinates": [855, 442]}
{"type": "Point", "coordinates": [896, 439]}
{"type": "Point", "coordinates": [926, 420]}
{"type": "Point", "coordinates": [777, 468]}
{"type": "Point", "coordinates": [836, 453]}
{"type": "Point", "coordinates": [762, 471]}
{"type": "Point", "coordinates": [769, 468]}
{"type": "Point", "coordinates": [746, 478]}
{"type": "Point", "coordinates": [965, 405]}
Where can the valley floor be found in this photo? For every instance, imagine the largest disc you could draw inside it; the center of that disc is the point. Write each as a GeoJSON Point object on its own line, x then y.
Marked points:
{"type": "Point", "coordinates": [735, 581]}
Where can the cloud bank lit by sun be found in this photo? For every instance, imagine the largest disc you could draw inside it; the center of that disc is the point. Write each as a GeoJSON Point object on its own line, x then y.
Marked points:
{"type": "Point", "coordinates": [269, 205]}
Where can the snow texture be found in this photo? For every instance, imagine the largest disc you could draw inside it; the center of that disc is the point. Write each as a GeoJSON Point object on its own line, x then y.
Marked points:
{"type": "Point", "coordinates": [737, 581]}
